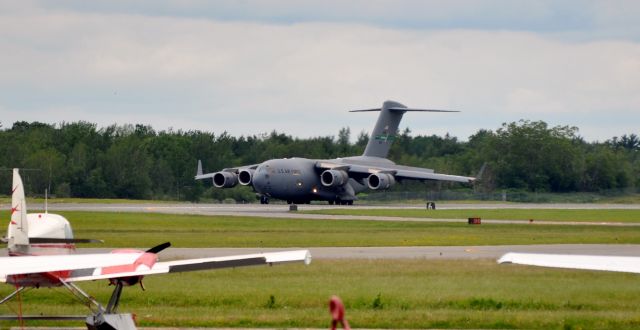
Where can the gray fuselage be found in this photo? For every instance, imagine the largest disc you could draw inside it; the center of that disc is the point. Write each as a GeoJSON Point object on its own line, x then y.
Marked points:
{"type": "Point", "coordinates": [297, 180]}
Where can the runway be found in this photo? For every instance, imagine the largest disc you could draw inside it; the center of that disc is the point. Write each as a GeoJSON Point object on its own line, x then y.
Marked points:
{"type": "Point", "coordinates": [410, 252]}
{"type": "Point", "coordinates": [282, 211]}
{"type": "Point", "coordinates": [271, 209]}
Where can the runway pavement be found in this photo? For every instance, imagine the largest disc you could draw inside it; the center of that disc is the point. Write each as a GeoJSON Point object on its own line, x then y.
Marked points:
{"type": "Point", "coordinates": [282, 211]}
{"type": "Point", "coordinates": [410, 252]}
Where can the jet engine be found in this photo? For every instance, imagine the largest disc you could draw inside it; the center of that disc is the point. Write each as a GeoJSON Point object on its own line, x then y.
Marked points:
{"type": "Point", "coordinates": [225, 179]}
{"type": "Point", "coordinates": [334, 178]}
{"type": "Point", "coordinates": [381, 181]}
{"type": "Point", "coordinates": [246, 176]}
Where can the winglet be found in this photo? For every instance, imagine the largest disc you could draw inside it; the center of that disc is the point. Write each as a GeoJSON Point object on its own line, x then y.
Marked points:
{"type": "Point", "coordinates": [200, 175]}
{"type": "Point", "coordinates": [481, 172]}
{"type": "Point", "coordinates": [199, 172]}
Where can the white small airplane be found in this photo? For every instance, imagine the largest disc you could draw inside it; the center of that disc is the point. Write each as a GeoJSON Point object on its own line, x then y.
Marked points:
{"type": "Point", "coordinates": [574, 261]}
{"type": "Point", "coordinates": [41, 248]}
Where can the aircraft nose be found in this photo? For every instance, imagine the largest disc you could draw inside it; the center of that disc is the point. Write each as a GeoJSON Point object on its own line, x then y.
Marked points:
{"type": "Point", "coordinates": [259, 181]}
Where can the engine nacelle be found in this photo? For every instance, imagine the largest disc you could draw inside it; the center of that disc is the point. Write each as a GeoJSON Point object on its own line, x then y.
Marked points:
{"type": "Point", "coordinates": [225, 179]}
{"type": "Point", "coordinates": [334, 178]}
{"type": "Point", "coordinates": [381, 181]}
{"type": "Point", "coordinates": [246, 176]}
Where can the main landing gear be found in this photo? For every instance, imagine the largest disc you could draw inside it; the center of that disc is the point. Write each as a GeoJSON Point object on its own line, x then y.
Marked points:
{"type": "Point", "coordinates": [264, 199]}
{"type": "Point", "coordinates": [107, 319]}
{"type": "Point", "coordinates": [101, 318]}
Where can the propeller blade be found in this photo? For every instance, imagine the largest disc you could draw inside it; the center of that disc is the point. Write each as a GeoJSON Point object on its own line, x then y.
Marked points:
{"type": "Point", "coordinates": [159, 248]}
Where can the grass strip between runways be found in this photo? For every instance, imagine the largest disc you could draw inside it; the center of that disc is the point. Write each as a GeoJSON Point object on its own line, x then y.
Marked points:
{"type": "Point", "coordinates": [568, 215]}
{"type": "Point", "coordinates": [147, 229]}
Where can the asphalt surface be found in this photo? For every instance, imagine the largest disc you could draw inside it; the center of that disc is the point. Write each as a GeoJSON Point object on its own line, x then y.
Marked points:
{"type": "Point", "coordinates": [282, 211]}
{"type": "Point", "coordinates": [410, 252]}
{"type": "Point", "coordinates": [405, 252]}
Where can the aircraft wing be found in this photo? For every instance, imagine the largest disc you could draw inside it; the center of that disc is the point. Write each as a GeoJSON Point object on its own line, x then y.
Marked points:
{"type": "Point", "coordinates": [204, 264]}
{"type": "Point", "coordinates": [87, 267]}
{"type": "Point", "coordinates": [59, 263]}
{"type": "Point", "coordinates": [606, 263]}
{"type": "Point", "coordinates": [400, 172]}
{"type": "Point", "coordinates": [105, 266]}
{"type": "Point", "coordinates": [414, 175]}
{"type": "Point", "coordinates": [236, 170]}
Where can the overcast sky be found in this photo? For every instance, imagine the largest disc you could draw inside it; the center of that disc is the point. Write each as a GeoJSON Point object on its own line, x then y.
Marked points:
{"type": "Point", "coordinates": [250, 67]}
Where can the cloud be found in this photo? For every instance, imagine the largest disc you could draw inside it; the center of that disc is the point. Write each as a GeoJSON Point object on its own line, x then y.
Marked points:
{"type": "Point", "coordinates": [252, 77]}
{"type": "Point", "coordinates": [575, 18]}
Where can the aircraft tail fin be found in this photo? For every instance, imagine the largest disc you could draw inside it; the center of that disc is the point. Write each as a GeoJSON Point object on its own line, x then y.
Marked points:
{"type": "Point", "coordinates": [385, 131]}
{"type": "Point", "coordinates": [18, 232]}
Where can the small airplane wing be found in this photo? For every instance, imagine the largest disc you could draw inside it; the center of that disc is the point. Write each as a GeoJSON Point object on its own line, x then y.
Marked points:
{"type": "Point", "coordinates": [57, 263]}
{"type": "Point", "coordinates": [400, 172]}
{"type": "Point", "coordinates": [236, 261]}
{"type": "Point", "coordinates": [202, 264]}
{"type": "Point", "coordinates": [88, 267]}
{"type": "Point", "coordinates": [606, 263]}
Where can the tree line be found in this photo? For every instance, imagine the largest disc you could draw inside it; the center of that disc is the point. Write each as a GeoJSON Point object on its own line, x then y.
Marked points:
{"type": "Point", "coordinates": [79, 159]}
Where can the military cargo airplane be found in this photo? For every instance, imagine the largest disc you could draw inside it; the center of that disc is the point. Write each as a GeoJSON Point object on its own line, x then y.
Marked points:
{"type": "Point", "coordinates": [41, 254]}
{"type": "Point", "coordinates": [301, 180]}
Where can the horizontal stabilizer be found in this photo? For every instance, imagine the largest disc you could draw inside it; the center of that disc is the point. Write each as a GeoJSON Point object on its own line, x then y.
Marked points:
{"type": "Point", "coordinates": [386, 129]}
{"type": "Point", "coordinates": [403, 109]}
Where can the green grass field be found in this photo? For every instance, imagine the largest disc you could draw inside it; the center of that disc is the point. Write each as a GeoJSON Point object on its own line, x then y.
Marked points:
{"type": "Point", "coordinates": [147, 229]}
{"type": "Point", "coordinates": [411, 293]}
{"type": "Point", "coordinates": [377, 293]}
{"type": "Point", "coordinates": [584, 215]}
